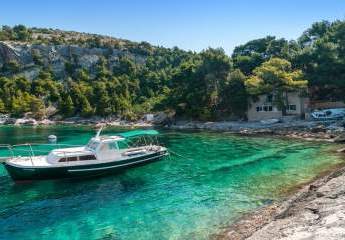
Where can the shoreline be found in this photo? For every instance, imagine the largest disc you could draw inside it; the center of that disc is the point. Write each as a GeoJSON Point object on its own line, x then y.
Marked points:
{"type": "Point", "coordinates": [305, 130]}
{"type": "Point", "coordinates": [332, 131]}
{"type": "Point", "coordinates": [314, 211]}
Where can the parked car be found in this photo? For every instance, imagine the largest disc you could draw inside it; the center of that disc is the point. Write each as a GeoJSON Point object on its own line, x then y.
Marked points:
{"type": "Point", "coordinates": [328, 114]}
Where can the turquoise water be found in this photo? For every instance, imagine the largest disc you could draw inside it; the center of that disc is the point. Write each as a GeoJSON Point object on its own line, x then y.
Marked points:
{"type": "Point", "coordinates": [224, 177]}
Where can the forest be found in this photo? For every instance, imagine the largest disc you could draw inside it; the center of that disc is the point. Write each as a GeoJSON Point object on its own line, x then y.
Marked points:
{"type": "Point", "coordinates": [208, 85]}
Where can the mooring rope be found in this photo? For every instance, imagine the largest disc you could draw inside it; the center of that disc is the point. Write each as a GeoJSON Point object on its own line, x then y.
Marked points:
{"type": "Point", "coordinates": [179, 155]}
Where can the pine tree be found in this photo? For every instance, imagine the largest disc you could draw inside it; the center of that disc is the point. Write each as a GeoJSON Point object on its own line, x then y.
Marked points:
{"type": "Point", "coordinates": [67, 106]}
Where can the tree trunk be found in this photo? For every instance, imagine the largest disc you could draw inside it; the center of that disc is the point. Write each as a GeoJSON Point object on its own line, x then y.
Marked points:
{"type": "Point", "coordinates": [285, 103]}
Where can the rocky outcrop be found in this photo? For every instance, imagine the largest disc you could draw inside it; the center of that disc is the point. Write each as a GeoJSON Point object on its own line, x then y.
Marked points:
{"type": "Point", "coordinates": [7, 54]}
{"type": "Point", "coordinates": [32, 57]}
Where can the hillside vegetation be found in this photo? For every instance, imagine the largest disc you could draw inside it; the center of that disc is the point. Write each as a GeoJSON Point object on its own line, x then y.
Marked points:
{"type": "Point", "coordinates": [45, 72]}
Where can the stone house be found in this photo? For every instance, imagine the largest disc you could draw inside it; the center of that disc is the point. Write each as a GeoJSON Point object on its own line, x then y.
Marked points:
{"type": "Point", "coordinates": [263, 108]}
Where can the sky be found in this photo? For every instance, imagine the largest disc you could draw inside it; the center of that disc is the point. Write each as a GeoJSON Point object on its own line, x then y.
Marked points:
{"type": "Point", "coordinates": [187, 24]}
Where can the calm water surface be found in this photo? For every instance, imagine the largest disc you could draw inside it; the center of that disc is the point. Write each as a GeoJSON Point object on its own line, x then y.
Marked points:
{"type": "Point", "coordinates": [224, 177]}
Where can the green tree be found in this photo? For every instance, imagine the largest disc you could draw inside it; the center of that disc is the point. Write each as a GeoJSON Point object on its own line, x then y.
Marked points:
{"type": "Point", "coordinates": [2, 107]}
{"type": "Point", "coordinates": [248, 56]}
{"type": "Point", "coordinates": [322, 59]}
{"type": "Point", "coordinates": [66, 106]}
{"type": "Point", "coordinates": [37, 108]}
{"type": "Point", "coordinates": [234, 96]}
{"type": "Point", "coordinates": [11, 67]}
{"type": "Point", "coordinates": [86, 109]}
{"type": "Point", "coordinates": [21, 33]}
{"type": "Point", "coordinates": [125, 66]}
{"type": "Point", "coordinates": [276, 77]}
{"type": "Point", "coordinates": [101, 99]}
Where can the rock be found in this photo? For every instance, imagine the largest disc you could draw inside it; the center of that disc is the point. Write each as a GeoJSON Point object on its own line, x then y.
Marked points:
{"type": "Point", "coordinates": [340, 138]}
{"type": "Point", "coordinates": [56, 56]}
{"type": "Point", "coordinates": [46, 122]}
{"type": "Point", "coordinates": [164, 118]}
{"type": "Point", "coordinates": [315, 212]}
{"type": "Point", "coordinates": [3, 118]}
{"type": "Point", "coordinates": [341, 150]}
{"type": "Point", "coordinates": [10, 121]}
{"type": "Point", "coordinates": [270, 121]}
{"type": "Point", "coordinates": [318, 129]}
{"type": "Point", "coordinates": [26, 121]}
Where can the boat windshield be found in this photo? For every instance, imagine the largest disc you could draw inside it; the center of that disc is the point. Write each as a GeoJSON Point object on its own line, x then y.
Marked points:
{"type": "Point", "coordinates": [93, 145]}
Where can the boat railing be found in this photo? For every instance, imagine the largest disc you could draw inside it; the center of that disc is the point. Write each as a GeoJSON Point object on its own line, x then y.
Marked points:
{"type": "Point", "coordinates": [142, 141]}
{"type": "Point", "coordinates": [30, 150]}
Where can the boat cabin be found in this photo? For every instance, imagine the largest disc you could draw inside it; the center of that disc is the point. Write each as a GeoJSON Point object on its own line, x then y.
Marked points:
{"type": "Point", "coordinates": [99, 148]}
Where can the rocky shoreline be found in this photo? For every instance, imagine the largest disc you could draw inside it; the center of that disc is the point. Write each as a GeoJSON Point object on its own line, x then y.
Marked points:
{"type": "Point", "coordinates": [331, 131]}
{"type": "Point", "coordinates": [77, 121]}
{"type": "Point", "coordinates": [317, 211]}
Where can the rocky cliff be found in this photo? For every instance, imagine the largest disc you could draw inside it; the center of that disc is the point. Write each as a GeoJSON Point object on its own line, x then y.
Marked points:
{"type": "Point", "coordinates": [56, 49]}
{"type": "Point", "coordinates": [33, 57]}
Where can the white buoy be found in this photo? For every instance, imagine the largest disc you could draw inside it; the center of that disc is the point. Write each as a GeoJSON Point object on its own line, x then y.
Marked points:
{"type": "Point", "coordinates": [52, 138]}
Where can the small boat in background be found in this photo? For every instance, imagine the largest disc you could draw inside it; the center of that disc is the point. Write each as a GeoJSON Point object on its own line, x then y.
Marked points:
{"type": "Point", "coordinates": [102, 155]}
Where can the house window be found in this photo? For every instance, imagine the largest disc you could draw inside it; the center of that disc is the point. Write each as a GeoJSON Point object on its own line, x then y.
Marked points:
{"type": "Point", "coordinates": [268, 108]}
{"type": "Point", "coordinates": [269, 98]}
{"type": "Point", "coordinates": [265, 108]}
{"type": "Point", "coordinates": [291, 107]}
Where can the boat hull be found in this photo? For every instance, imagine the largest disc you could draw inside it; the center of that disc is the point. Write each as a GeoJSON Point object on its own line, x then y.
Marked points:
{"type": "Point", "coordinates": [76, 171]}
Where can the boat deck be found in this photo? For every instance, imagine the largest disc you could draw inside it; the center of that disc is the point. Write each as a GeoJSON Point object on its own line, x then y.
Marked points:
{"type": "Point", "coordinates": [31, 161]}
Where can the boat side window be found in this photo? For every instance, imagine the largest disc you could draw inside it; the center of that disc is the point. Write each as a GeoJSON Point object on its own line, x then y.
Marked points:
{"type": "Point", "coordinates": [112, 146]}
{"type": "Point", "coordinates": [87, 157]}
{"type": "Point", "coordinates": [68, 159]}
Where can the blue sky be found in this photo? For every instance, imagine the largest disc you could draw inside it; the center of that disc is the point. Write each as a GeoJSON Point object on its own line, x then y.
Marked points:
{"type": "Point", "coordinates": [188, 24]}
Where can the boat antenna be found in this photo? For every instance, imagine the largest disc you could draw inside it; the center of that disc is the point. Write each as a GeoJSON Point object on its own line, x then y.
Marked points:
{"type": "Point", "coordinates": [99, 132]}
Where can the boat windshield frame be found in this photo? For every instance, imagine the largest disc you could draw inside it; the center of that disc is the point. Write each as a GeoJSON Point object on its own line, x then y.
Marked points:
{"type": "Point", "coordinates": [93, 144]}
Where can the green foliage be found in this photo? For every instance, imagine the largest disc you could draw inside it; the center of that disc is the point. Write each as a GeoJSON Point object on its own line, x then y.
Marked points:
{"type": "Point", "coordinates": [196, 89]}
{"type": "Point", "coordinates": [37, 107]}
{"type": "Point", "coordinates": [2, 107]}
{"type": "Point", "coordinates": [206, 85]}
{"type": "Point", "coordinates": [276, 76]}
{"type": "Point", "coordinates": [250, 55]}
{"type": "Point", "coordinates": [66, 106]}
{"type": "Point", "coordinates": [234, 96]}
{"type": "Point", "coordinates": [17, 33]}
{"type": "Point", "coordinates": [322, 59]}
{"type": "Point", "coordinates": [11, 66]}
